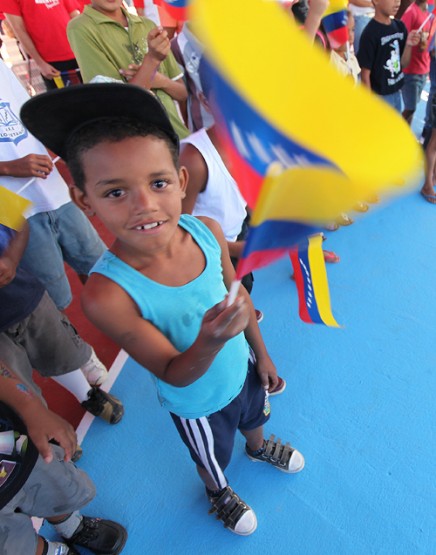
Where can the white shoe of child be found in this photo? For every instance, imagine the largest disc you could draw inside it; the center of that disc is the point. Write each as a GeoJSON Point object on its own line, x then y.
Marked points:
{"type": "Point", "coordinates": [95, 371]}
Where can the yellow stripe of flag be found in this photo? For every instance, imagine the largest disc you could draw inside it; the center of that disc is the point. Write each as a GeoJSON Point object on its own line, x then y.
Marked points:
{"type": "Point", "coordinates": [319, 280]}
{"type": "Point", "coordinates": [12, 208]}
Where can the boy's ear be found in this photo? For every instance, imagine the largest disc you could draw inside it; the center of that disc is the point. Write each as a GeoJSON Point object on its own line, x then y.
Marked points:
{"type": "Point", "coordinates": [183, 180]}
{"type": "Point", "coordinates": [81, 200]}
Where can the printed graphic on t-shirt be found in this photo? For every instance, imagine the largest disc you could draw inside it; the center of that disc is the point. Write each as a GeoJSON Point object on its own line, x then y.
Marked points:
{"type": "Point", "coordinates": [11, 128]}
{"type": "Point", "coordinates": [13, 447]}
{"type": "Point", "coordinates": [48, 3]}
{"type": "Point", "coordinates": [393, 64]}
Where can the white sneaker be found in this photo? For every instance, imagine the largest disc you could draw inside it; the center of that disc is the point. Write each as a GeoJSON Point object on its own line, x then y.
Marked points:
{"type": "Point", "coordinates": [236, 515]}
{"type": "Point", "coordinates": [95, 371]}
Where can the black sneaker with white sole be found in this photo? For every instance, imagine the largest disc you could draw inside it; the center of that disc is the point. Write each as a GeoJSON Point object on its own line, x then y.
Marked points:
{"type": "Point", "coordinates": [103, 405]}
{"type": "Point", "coordinates": [236, 515]}
{"type": "Point", "coordinates": [283, 457]}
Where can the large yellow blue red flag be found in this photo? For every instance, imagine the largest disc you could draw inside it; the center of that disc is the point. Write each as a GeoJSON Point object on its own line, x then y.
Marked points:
{"type": "Point", "coordinates": [279, 100]}
{"type": "Point", "coordinates": [12, 208]}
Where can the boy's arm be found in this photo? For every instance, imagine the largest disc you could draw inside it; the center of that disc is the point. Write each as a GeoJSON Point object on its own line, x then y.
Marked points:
{"type": "Point", "coordinates": [176, 89]}
{"type": "Point", "coordinates": [32, 165]}
{"type": "Point", "coordinates": [412, 40]}
{"type": "Point", "coordinates": [365, 77]}
{"type": "Point", "coordinates": [11, 256]}
{"type": "Point", "coordinates": [191, 158]}
{"type": "Point", "coordinates": [42, 424]}
{"type": "Point", "coordinates": [19, 28]}
{"type": "Point", "coordinates": [265, 367]}
{"type": "Point", "coordinates": [112, 310]}
{"type": "Point", "coordinates": [314, 16]}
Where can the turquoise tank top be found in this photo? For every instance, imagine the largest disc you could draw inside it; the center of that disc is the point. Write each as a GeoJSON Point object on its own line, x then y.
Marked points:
{"type": "Point", "coordinates": [177, 312]}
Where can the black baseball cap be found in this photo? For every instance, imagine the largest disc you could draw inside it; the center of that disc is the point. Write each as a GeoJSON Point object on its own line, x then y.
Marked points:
{"type": "Point", "coordinates": [54, 116]}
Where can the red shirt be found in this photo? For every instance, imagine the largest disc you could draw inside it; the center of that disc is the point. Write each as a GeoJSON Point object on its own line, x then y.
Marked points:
{"type": "Point", "coordinates": [413, 18]}
{"type": "Point", "coordinates": [46, 23]}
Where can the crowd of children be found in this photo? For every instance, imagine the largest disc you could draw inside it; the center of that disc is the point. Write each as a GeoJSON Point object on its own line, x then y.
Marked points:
{"type": "Point", "coordinates": [160, 289]}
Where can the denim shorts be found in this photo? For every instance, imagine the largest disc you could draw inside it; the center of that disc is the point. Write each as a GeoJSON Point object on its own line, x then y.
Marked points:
{"type": "Point", "coordinates": [52, 489]}
{"type": "Point", "coordinates": [394, 100]}
{"type": "Point", "coordinates": [58, 236]}
{"type": "Point", "coordinates": [412, 88]}
{"type": "Point", "coordinates": [45, 341]}
{"type": "Point", "coordinates": [210, 439]}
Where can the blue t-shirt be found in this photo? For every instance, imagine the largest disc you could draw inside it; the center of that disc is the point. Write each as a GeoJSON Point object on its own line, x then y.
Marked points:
{"type": "Point", "coordinates": [22, 295]}
{"type": "Point", "coordinates": [178, 312]}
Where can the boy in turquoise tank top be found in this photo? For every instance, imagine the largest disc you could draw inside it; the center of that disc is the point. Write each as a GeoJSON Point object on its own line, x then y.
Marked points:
{"type": "Point", "coordinates": [160, 291]}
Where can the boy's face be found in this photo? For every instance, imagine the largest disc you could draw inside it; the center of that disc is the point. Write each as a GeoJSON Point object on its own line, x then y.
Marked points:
{"type": "Point", "coordinates": [387, 7]}
{"type": "Point", "coordinates": [135, 190]}
{"type": "Point", "coordinates": [106, 6]}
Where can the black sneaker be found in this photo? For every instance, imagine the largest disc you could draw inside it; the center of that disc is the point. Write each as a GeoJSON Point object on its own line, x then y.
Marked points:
{"type": "Point", "coordinates": [236, 515]}
{"type": "Point", "coordinates": [99, 536]}
{"type": "Point", "coordinates": [104, 405]}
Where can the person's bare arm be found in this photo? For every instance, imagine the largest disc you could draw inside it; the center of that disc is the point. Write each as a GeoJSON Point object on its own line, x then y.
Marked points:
{"type": "Point", "coordinates": [365, 77]}
{"type": "Point", "coordinates": [42, 424]}
{"type": "Point", "coordinates": [19, 28]}
{"type": "Point", "coordinates": [412, 40]}
{"type": "Point", "coordinates": [113, 311]}
{"type": "Point", "coordinates": [11, 256]}
{"type": "Point", "coordinates": [176, 89]}
{"type": "Point", "coordinates": [191, 158]}
{"type": "Point", "coordinates": [314, 16]}
{"type": "Point", "coordinates": [32, 165]}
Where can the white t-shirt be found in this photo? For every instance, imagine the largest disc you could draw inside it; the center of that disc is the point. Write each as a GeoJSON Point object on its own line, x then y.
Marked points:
{"type": "Point", "coordinates": [17, 142]}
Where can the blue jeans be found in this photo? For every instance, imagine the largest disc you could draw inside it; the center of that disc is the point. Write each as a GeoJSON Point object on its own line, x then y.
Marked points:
{"type": "Point", "coordinates": [361, 21]}
{"type": "Point", "coordinates": [412, 89]}
{"type": "Point", "coordinates": [394, 100]}
{"type": "Point", "coordinates": [58, 236]}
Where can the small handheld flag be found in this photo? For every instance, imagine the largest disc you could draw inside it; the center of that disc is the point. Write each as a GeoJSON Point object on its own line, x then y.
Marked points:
{"type": "Point", "coordinates": [12, 208]}
{"type": "Point", "coordinates": [311, 279]}
{"type": "Point", "coordinates": [335, 21]}
{"type": "Point", "coordinates": [178, 9]}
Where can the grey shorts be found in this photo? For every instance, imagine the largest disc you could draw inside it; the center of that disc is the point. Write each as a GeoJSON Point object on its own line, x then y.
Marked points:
{"type": "Point", "coordinates": [45, 341]}
{"type": "Point", "coordinates": [51, 490]}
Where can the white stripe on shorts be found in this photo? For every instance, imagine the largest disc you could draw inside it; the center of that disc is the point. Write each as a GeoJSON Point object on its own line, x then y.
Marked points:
{"type": "Point", "coordinates": [204, 450]}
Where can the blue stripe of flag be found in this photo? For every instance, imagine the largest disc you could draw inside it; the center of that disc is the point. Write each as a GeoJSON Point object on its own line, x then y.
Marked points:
{"type": "Point", "coordinates": [309, 293]}
{"type": "Point", "coordinates": [277, 234]}
{"type": "Point", "coordinates": [335, 21]}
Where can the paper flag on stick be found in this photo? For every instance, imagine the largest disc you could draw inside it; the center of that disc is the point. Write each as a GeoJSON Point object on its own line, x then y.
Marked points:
{"type": "Point", "coordinates": [178, 9]}
{"type": "Point", "coordinates": [12, 208]}
{"type": "Point", "coordinates": [311, 279]}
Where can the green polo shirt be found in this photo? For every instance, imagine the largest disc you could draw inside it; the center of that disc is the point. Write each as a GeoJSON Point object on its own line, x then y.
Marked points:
{"type": "Point", "coordinates": [103, 46]}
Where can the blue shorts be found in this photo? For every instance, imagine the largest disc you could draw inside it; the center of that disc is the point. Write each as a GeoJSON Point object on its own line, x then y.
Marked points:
{"type": "Point", "coordinates": [58, 236]}
{"type": "Point", "coordinates": [412, 88]}
{"type": "Point", "coordinates": [210, 439]}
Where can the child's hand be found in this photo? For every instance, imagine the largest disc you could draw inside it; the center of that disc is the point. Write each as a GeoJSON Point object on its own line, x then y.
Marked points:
{"type": "Point", "coordinates": [32, 165]}
{"type": "Point", "coordinates": [267, 372]}
{"type": "Point", "coordinates": [8, 269]}
{"type": "Point", "coordinates": [158, 44]}
{"type": "Point", "coordinates": [130, 72]}
{"type": "Point", "coordinates": [413, 38]}
{"type": "Point", "coordinates": [46, 425]}
{"type": "Point", "coordinates": [222, 322]}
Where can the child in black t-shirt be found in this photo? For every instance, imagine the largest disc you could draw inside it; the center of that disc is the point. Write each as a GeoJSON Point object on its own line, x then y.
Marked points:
{"type": "Point", "coordinates": [384, 50]}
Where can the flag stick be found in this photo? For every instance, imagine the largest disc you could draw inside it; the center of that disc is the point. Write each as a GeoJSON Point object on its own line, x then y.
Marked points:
{"type": "Point", "coordinates": [234, 288]}
{"type": "Point", "coordinates": [33, 178]}
{"type": "Point", "coordinates": [421, 27]}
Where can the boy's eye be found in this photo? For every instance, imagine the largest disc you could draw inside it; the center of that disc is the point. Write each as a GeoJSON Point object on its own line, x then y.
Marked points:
{"type": "Point", "coordinates": [160, 184]}
{"type": "Point", "coordinates": [115, 193]}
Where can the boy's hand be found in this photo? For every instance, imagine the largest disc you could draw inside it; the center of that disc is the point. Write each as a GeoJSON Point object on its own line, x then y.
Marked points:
{"type": "Point", "coordinates": [130, 72]}
{"type": "Point", "coordinates": [267, 372]}
{"type": "Point", "coordinates": [221, 323]}
{"type": "Point", "coordinates": [32, 165]}
{"type": "Point", "coordinates": [8, 270]}
{"type": "Point", "coordinates": [413, 38]}
{"type": "Point", "coordinates": [158, 44]}
{"type": "Point", "coordinates": [46, 425]}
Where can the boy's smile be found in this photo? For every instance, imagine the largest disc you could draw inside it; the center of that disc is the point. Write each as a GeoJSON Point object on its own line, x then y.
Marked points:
{"type": "Point", "coordinates": [135, 190]}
